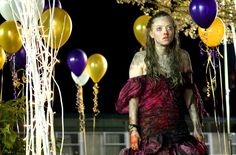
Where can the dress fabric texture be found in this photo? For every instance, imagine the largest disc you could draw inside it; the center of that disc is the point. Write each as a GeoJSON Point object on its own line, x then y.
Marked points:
{"type": "Point", "coordinates": [161, 112]}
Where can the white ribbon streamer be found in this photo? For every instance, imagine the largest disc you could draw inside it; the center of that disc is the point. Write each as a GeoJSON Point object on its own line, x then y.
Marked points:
{"type": "Point", "coordinates": [40, 62]}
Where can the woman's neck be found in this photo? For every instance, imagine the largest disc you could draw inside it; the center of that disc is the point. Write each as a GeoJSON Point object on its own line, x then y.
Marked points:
{"type": "Point", "coordinates": [161, 50]}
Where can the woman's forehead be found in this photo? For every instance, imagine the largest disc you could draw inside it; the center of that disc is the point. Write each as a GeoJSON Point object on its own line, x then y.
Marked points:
{"type": "Point", "coordinates": [164, 20]}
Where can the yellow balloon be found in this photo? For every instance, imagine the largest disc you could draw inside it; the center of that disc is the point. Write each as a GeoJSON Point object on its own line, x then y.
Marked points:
{"type": "Point", "coordinates": [96, 67]}
{"type": "Point", "coordinates": [213, 35]}
{"type": "Point", "coordinates": [61, 27]}
{"type": "Point", "coordinates": [9, 37]}
{"type": "Point", "coordinates": [2, 58]}
{"type": "Point", "coordinates": [139, 28]}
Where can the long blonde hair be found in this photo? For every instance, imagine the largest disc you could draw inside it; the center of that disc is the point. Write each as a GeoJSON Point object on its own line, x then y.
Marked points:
{"type": "Point", "coordinates": [151, 58]}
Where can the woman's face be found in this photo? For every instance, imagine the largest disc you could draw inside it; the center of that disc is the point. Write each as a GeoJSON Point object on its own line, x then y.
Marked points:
{"type": "Point", "coordinates": [162, 30]}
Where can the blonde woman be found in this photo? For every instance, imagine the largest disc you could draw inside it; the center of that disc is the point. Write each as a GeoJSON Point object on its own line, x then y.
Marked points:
{"type": "Point", "coordinates": [159, 92]}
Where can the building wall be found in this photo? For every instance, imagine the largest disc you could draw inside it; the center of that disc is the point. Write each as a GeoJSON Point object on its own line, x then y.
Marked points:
{"type": "Point", "coordinates": [110, 135]}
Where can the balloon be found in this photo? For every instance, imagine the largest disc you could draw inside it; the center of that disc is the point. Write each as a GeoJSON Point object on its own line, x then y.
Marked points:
{"type": "Point", "coordinates": [49, 4]}
{"type": "Point", "coordinates": [9, 37]}
{"type": "Point", "coordinates": [20, 58]}
{"type": "Point", "coordinates": [96, 67]}
{"type": "Point", "coordinates": [139, 28]}
{"type": "Point", "coordinates": [82, 79]}
{"type": "Point", "coordinates": [213, 35]}
{"type": "Point", "coordinates": [2, 57]}
{"type": "Point", "coordinates": [61, 27]}
{"type": "Point", "coordinates": [7, 12]}
{"type": "Point", "coordinates": [76, 61]}
{"type": "Point", "coordinates": [203, 12]}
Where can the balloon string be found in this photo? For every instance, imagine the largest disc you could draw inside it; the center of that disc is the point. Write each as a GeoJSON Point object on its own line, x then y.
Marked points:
{"type": "Point", "coordinates": [15, 80]}
{"type": "Point", "coordinates": [215, 112]}
{"type": "Point", "coordinates": [96, 112]}
{"type": "Point", "coordinates": [212, 87]}
{"type": "Point", "coordinates": [210, 67]}
{"type": "Point", "coordinates": [211, 82]}
{"type": "Point", "coordinates": [80, 107]}
{"type": "Point", "coordinates": [16, 83]}
{"type": "Point", "coordinates": [95, 101]}
{"type": "Point", "coordinates": [222, 101]}
{"type": "Point", "coordinates": [210, 64]}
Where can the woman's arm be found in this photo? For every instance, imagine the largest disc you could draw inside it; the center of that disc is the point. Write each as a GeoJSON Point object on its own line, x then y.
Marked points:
{"type": "Point", "coordinates": [193, 112]}
{"type": "Point", "coordinates": [133, 111]}
{"type": "Point", "coordinates": [133, 123]}
{"type": "Point", "coordinates": [137, 66]}
{"type": "Point", "coordinates": [136, 69]}
{"type": "Point", "coordinates": [190, 100]}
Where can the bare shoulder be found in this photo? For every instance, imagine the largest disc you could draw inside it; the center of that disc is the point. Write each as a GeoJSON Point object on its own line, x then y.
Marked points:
{"type": "Point", "coordinates": [137, 64]}
{"type": "Point", "coordinates": [138, 57]}
{"type": "Point", "coordinates": [184, 54]}
{"type": "Point", "coordinates": [185, 61]}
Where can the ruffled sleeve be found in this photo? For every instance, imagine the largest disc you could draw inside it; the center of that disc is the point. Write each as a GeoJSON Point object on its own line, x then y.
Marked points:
{"type": "Point", "coordinates": [133, 88]}
{"type": "Point", "coordinates": [189, 84]}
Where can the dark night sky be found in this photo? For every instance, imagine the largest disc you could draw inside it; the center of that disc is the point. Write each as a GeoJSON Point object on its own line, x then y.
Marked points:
{"type": "Point", "coordinates": [106, 27]}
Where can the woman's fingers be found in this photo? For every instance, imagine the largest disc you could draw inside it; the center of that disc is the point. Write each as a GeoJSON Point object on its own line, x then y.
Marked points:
{"type": "Point", "coordinates": [199, 136]}
{"type": "Point", "coordinates": [134, 140]}
{"type": "Point", "coordinates": [134, 147]}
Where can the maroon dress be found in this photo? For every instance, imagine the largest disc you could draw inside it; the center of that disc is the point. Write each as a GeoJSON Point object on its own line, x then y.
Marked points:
{"type": "Point", "coordinates": [161, 121]}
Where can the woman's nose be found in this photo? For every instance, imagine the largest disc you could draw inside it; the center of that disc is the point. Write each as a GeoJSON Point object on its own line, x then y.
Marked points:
{"type": "Point", "coordinates": [165, 31]}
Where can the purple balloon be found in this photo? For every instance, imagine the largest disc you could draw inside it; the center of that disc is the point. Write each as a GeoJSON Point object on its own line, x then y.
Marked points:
{"type": "Point", "coordinates": [49, 3]}
{"type": "Point", "coordinates": [203, 12]}
{"type": "Point", "coordinates": [76, 61]}
{"type": "Point", "coordinates": [20, 58]}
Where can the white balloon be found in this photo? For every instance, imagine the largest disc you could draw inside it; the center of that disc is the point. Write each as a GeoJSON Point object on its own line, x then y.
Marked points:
{"type": "Point", "coordinates": [82, 79]}
{"type": "Point", "coordinates": [4, 10]}
{"type": "Point", "coordinates": [17, 9]}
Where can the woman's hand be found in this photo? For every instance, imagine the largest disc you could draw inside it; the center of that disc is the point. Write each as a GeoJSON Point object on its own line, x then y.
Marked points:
{"type": "Point", "coordinates": [197, 133]}
{"type": "Point", "coordinates": [134, 139]}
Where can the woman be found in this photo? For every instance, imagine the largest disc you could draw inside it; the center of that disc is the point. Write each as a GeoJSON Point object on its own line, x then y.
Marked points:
{"type": "Point", "coordinates": [158, 93]}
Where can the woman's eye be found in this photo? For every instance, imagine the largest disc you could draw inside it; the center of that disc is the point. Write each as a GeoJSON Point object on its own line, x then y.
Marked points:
{"type": "Point", "coordinates": [159, 29]}
{"type": "Point", "coordinates": [170, 28]}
